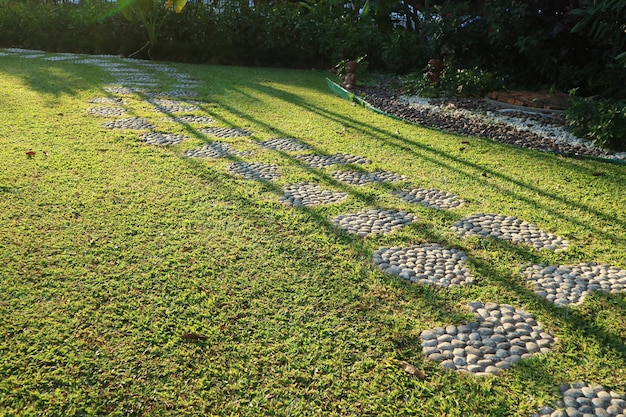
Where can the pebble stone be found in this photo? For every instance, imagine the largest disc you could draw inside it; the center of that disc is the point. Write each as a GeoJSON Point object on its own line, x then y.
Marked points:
{"type": "Point", "coordinates": [500, 337]}
{"type": "Point", "coordinates": [172, 106]}
{"type": "Point", "coordinates": [107, 100]}
{"type": "Point", "coordinates": [284, 144]}
{"type": "Point", "coordinates": [374, 221]}
{"type": "Point", "coordinates": [362, 178]}
{"type": "Point", "coordinates": [428, 263]}
{"type": "Point", "coordinates": [177, 93]}
{"type": "Point", "coordinates": [216, 150]}
{"type": "Point", "coordinates": [310, 194]}
{"type": "Point", "coordinates": [123, 90]}
{"type": "Point", "coordinates": [320, 161]}
{"type": "Point", "coordinates": [106, 111]}
{"type": "Point", "coordinates": [135, 123]}
{"type": "Point", "coordinates": [430, 198]}
{"type": "Point", "coordinates": [255, 171]}
{"type": "Point", "coordinates": [569, 284]}
{"type": "Point", "coordinates": [157, 138]}
{"type": "Point", "coordinates": [583, 399]}
{"type": "Point", "coordinates": [193, 119]}
{"type": "Point", "coordinates": [225, 132]}
{"type": "Point", "coordinates": [509, 228]}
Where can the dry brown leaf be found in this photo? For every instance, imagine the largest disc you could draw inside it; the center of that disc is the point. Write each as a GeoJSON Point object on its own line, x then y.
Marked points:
{"type": "Point", "coordinates": [194, 337]}
{"type": "Point", "coordinates": [412, 370]}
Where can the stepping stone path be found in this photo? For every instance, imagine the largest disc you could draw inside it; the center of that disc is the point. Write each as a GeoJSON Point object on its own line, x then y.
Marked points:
{"type": "Point", "coordinates": [284, 144]}
{"type": "Point", "coordinates": [509, 228]}
{"type": "Point", "coordinates": [106, 111]}
{"type": "Point", "coordinates": [320, 161]}
{"type": "Point", "coordinates": [310, 194]}
{"type": "Point", "coordinates": [430, 198]}
{"type": "Point", "coordinates": [226, 132]}
{"type": "Point", "coordinates": [134, 123]}
{"type": "Point", "coordinates": [500, 337]}
{"type": "Point", "coordinates": [157, 138]}
{"type": "Point", "coordinates": [362, 178]}
{"type": "Point", "coordinates": [569, 284]}
{"type": "Point", "coordinates": [374, 221]}
{"type": "Point", "coordinates": [429, 263]}
{"type": "Point", "coordinates": [255, 171]}
{"type": "Point", "coordinates": [216, 150]}
{"type": "Point", "coordinates": [582, 399]}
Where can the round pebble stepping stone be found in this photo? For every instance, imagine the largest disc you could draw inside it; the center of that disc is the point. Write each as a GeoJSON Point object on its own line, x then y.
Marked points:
{"type": "Point", "coordinates": [123, 90]}
{"type": "Point", "coordinates": [107, 100]}
{"type": "Point", "coordinates": [225, 132]}
{"type": "Point", "coordinates": [172, 106]}
{"type": "Point", "coordinates": [157, 138]}
{"type": "Point", "coordinates": [509, 228]}
{"type": "Point", "coordinates": [374, 221]}
{"type": "Point", "coordinates": [320, 161]}
{"type": "Point", "coordinates": [500, 337]}
{"type": "Point", "coordinates": [216, 150]}
{"type": "Point", "coordinates": [310, 194]}
{"type": "Point", "coordinates": [429, 263]}
{"type": "Point", "coordinates": [362, 178]}
{"type": "Point", "coordinates": [430, 198]}
{"type": "Point", "coordinates": [179, 93]}
{"type": "Point", "coordinates": [255, 171]}
{"type": "Point", "coordinates": [134, 123]}
{"type": "Point", "coordinates": [193, 119]}
{"type": "Point", "coordinates": [285, 144]}
{"type": "Point", "coordinates": [106, 111]}
{"type": "Point", "coordinates": [582, 399]}
{"type": "Point", "coordinates": [569, 284]}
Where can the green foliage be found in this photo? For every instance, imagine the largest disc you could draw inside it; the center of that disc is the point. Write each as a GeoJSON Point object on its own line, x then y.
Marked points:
{"type": "Point", "coordinates": [454, 82]}
{"type": "Point", "coordinates": [603, 121]}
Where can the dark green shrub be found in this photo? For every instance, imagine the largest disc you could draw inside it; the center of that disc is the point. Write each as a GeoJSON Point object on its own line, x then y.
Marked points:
{"type": "Point", "coordinates": [603, 121]}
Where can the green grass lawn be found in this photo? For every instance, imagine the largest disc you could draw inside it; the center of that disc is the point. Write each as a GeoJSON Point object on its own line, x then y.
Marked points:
{"type": "Point", "coordinates": [111, 250]}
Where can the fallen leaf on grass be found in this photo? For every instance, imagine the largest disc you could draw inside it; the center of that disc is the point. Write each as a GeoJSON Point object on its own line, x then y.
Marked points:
{"type": "Point", "coordinates": [45, 153]}
{"type": "Point", "coordinates": [411, 370]}
{"type": "Point", "coordinates": [462, 148]}
{"type": "Point", "coordinates": [194, 337]}
{"type": "Point", "coordinates": [598, 174]}
{"type": "Point", "coordinates": [30, 154]}
{"type": "Point", "coordinates": [465, 142]}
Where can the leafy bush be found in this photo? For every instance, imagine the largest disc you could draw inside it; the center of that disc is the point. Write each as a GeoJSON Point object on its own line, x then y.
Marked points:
{"type": "Point", "coordinates": [603, 121]}
{"type": "Point", "coordinates": [455, 82]}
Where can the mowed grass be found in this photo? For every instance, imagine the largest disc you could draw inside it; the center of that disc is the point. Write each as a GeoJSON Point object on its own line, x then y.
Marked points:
{"type": "Point", "coordinates": [111, 250]}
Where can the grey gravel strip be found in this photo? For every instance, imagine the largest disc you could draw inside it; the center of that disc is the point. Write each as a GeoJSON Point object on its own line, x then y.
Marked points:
{"type": "Point", "coordinates": [581, 400]}
{"type": "Point", "coordinates": [509, 228]}
{"type": "Point", "coordinates": [135, 123]}
{"type": "Point", "coordinates": [500, 337]}
{"type": "Point", "coordinates": [106, 111]}
{"type": "Point", "coordinates": [310, 194]}
{"type": "Point", "coordinates": [375, 221]}
{"type": "Point", "coordinates": [320, 161]}
{"type": "Point", "coordinates": [362, 178]}
{"type": "Point", "coordinates": [255, 171]}
{"type": "Point", "coordinates": [430, 198]}
{"type": "Point", "coordinates": [429, 263]}
{"type": "Point", "coordinates": [285, 144]}
{"type": "Point", "coordinates": [225, 132]}
{"type": "Point", "coordinates": [569, 284]}
{"type": "Point", "coordinates": [157, 138]}
{"type": "Point", "coordinates": [216, 150]}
